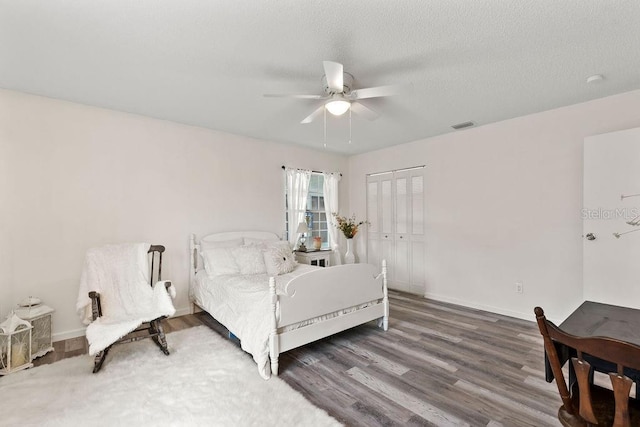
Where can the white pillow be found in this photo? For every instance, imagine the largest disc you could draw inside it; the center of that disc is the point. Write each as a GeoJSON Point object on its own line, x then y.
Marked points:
{"type": "Point", "coordinates": [220, 261]}
{"type": "Point", "coordinates": [279, 259]}
{"type": "Point", "coordinates": [249, 259]}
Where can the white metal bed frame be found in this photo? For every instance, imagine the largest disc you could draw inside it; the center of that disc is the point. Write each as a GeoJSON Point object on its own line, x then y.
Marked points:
{"type": "Point", "coordinates": [319, 292]}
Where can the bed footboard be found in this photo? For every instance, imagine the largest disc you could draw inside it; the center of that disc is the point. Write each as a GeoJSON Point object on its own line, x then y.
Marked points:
{"type": "Point", "coordinates": [322, 292]}
{"type": "Point", "coordinates": [327, 290]}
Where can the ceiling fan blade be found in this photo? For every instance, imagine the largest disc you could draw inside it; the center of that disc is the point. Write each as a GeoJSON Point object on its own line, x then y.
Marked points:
{"type": "Point", "coordinates": [335, 75]}
{"type": "Point", "coordinates": [374, 92]}
{"type": "Point", "coordinates": [285, 95]}
{"type": "Point", "coordinates": [363, 111]}
{"type": "Point", "coordinates": [311, 117]}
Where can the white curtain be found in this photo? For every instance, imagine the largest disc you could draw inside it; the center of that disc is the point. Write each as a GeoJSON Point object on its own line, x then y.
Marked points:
{"type": "Point", "coordinates": [330, 190]}
{"type": "Point", "coordinates": [297, 192]}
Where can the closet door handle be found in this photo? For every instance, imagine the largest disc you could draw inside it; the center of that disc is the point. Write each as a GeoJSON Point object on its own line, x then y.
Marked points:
{"type": "Point", "coordinates": [401, 237]}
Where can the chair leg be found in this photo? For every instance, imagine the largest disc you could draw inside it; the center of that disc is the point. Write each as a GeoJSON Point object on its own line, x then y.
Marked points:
{"type": "Point", "coordinates": [99, 359]}
{"type": "Point", "coordinates": [159, 339]}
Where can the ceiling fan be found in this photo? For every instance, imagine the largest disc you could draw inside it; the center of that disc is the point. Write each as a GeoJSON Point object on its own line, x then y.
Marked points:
{"type": "Point", "coordinates": [339, 94]}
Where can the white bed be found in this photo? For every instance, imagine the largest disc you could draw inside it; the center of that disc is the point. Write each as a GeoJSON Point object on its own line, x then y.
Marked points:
{"type": "Point", "coordinates": [271, 315]}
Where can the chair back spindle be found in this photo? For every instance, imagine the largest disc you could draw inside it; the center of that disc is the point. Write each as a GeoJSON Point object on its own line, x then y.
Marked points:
{"type": "Point", "coordinates": [583, 373]}
{"type": "Point", "coordinates": [621, 388]}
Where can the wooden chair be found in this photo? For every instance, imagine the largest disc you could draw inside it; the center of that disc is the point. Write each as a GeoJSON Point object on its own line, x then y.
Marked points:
{"type": "Point", "coordinates": [584, 403]}
{"type": "Point", "coordinates": [152, 329]}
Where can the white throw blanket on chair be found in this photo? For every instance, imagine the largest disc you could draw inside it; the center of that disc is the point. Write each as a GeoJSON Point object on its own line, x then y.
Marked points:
{"type": "Point", "coordinates": [120, 274]}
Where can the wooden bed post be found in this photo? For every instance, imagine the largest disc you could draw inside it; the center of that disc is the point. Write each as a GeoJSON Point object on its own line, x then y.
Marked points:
{"type": "Point", "coordinates": [274, 350]}
{"type": "Point", "coordinates": [385, 298]}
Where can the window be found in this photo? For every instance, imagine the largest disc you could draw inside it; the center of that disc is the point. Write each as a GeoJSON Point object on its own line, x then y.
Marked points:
{"type": "Point", "coordinates": [315, 215]}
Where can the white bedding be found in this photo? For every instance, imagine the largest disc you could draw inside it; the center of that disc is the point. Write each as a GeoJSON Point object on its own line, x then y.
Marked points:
{"type": "Point", "coordinates": [242, 304]}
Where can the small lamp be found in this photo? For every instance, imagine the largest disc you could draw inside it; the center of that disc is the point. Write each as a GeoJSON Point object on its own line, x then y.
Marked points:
{"type": "Point", "coordinates": [303, 228]}
{"type": "Point", "coordinates": [15, 345]}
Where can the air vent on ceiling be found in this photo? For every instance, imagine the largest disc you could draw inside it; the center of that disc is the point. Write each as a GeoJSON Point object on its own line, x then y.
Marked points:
{"type": "Point", "coordinates": [463, 125]}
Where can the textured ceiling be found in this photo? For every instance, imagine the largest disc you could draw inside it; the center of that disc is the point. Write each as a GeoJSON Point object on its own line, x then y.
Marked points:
{"type": "Point", "coordinates": [208, 63]}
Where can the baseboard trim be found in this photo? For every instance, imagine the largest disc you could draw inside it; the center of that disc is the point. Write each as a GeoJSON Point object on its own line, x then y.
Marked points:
{"type": "Point", "coordinates": [411, 289]}
{"type": "Point", "coordinates": [182, 311]}
{"type": "Point", "coordinates": [67, 335]}
{"type": "Point", "coordinates": [492, 309]}
{"type": "Point", "coordinates": [75, 333]}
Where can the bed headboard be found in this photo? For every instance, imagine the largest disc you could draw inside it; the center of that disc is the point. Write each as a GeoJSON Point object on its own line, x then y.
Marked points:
{"type": "Point", "coordinates": [230, 235]}
{"type": "Point", "coordinates": [194, 245]}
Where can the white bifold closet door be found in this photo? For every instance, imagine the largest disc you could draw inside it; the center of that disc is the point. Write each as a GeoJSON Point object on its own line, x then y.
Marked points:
{"type": "Point", "coordinates": [395, 209]}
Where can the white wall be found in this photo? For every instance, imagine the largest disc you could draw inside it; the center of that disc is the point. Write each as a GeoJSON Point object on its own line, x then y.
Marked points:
{"type": "Point", "coordinates": [503, 200]}
{"type": "Point", "coordinates": [504, 205]}
{"type": "Point", "coordinates": [612, 266]}
{"type": "Point", "coordinates": [73, 177]}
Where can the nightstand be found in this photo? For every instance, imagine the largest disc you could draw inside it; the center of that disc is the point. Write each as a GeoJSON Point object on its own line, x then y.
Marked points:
{"type": "Point", "coordinates": [321, 258]}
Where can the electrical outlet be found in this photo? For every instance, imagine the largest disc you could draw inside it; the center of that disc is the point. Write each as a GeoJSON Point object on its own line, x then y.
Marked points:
{"type": "Point", "coordinates": [519, 288]}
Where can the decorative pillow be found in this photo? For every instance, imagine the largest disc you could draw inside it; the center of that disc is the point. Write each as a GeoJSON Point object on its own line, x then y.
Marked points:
{"type": "Point", "coordinates": [220, 261]}
{"type": "Point", "coordinates": [279, 259]}
{"type": "Point", "coordinates": [249, 260]}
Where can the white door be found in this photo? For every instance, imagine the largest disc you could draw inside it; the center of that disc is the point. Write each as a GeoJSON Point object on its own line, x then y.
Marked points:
{"type": "Point", "coordinates": [386, 223]}
{"type": "Point", "coordinates": [402, 232]}
{"type": "Point", "coordinates": [395, 209]}
{"type": "Point", "coordinates": [374, 249]}
{"type": "Point", "coordinates": [611, 266]}
{"type": "Point", "coordinates": [380, 217]}
{"type": "Point", "coordinates": [417, 237]}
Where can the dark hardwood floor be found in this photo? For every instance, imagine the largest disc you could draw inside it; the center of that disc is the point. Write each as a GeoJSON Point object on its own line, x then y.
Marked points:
{"type": "Point", "coordinates": [437, 365]}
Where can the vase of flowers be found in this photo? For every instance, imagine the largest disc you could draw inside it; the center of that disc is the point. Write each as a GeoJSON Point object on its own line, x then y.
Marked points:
{"type": "Point", "coordinates": [349, 227]}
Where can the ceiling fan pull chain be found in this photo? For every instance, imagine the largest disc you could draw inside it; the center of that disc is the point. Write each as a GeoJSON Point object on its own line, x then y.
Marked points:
{"type": "Point", "coordinates": [349, 125]}
{"type": "Point", "coordinates": [325, 128]}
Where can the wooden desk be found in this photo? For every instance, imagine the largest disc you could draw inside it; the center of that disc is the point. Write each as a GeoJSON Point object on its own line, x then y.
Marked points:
{"type": "Point", "coordinates": [593, 319]}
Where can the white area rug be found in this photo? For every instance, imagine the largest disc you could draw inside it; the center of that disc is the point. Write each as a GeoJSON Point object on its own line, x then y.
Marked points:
{"type": "Point", "coordinates": [205, 381]}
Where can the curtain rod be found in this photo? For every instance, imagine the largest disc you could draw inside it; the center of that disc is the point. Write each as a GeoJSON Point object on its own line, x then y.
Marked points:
{"type": "Point", "coordinates": [397, 170]}
{"type": "Point", "coordinates": [284, 167]}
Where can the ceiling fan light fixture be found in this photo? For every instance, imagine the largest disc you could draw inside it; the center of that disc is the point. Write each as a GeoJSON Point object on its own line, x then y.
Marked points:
{"type": "Point", "coordinates": [337, 107]}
